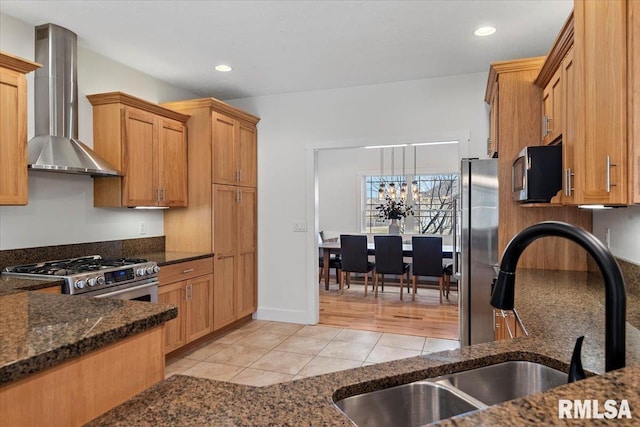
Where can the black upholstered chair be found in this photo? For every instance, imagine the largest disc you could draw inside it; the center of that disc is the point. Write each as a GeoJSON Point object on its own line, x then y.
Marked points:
{"type": "Point", "coordinates": [427, 262]}
{"type": "Point", "coordinates": [334, 262]}
{"type": "Point", "coordinates": [354, 259]}
{"type": "Point", "coordinates": [389, 260]}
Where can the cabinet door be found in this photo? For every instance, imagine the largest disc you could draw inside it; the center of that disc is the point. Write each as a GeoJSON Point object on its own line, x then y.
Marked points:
{"type": "Point", "coordinates": [633, 52]}
{"type": "Point", "coordinates": [13, 138]}
{"type": "Point", "coordinates": [225, 208]}
{"type": "Point", "coordinates": [140, 174]}
{"type": "Point", "coordinates": [569, 129]}
{"type": "Point", "coordinates": [246, 285]}
{"type": "Point", "coordinates": [601, 94]}
{"type": "Point", "coordinates": [246, 289]}
{"type": "Point", "coordinates": [223, 290]}
{"type": "Point", "coordinates": [223, 149]}
{"type": "Point", "coordinates": [174, 329]}
{"type": "Point", "coordinates": [493, 123]}
{"type": "Point", "coordinates": [248, 155]}
{"type": "Point", "coordinates": [552, 105]}
{"type": "Point", "coordinates": [172, 163]}
{"type": "Point", "coordinates": [200, 307]}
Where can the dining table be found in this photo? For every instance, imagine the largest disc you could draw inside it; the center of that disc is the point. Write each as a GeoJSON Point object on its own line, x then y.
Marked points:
{"type": "Point", "coordinates": [333, 247]}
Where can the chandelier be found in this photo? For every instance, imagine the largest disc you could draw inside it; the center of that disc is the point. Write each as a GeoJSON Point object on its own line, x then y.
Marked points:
{"type": "Point", "coordinates": [392, 191]}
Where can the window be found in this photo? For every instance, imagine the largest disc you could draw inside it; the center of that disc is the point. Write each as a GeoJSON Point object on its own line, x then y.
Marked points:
{"type": "Point", "coordinates": [432, 208]}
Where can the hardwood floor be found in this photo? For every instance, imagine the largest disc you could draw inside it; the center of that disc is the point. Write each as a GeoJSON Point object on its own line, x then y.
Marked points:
{"type": "Point", "coordinates": [424, 317]}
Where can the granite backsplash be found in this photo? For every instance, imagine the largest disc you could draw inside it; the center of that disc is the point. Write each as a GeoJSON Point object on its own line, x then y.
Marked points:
{"type": "Point", "coordinates": [113, 248]}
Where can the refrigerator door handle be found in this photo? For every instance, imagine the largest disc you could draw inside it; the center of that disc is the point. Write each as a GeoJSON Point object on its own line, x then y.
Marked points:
{"type": "Point", "coordinates": [456, 265]}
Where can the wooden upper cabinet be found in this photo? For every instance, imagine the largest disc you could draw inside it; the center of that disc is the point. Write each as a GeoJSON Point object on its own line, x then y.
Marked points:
{"type": "Point", "coordinates": [224, 149]}
{"type": "Point", "coordinates": [148, 144]}
{"type": "Point", "coordinates": [234, 151]}
{"type": "Point", "coordinates": [552, 109]}
{"type": "Point", "coordinates": [172, 163]}
{"type": "Point", "coordinates": [600, 55]}
{"type": "Point", "coordinates": [569, 129]}
{"type": "Point", "coordinates": [492, 142]}
{"type": "Point", "coordinates": [13, 129]}
{"type": "Point", "coordinates": [248, 155]}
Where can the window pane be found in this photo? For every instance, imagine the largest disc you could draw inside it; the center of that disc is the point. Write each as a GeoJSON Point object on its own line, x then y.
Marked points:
{"type": "Point", "coordinates": [432, 206]}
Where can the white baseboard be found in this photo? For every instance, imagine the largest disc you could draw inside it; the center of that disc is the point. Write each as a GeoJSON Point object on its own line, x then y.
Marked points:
{"type": "Point", "coordinates": [280, 315]}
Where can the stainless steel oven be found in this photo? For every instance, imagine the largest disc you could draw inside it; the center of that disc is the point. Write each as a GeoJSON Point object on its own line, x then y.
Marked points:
{"type": "Point", "coordinates": [94, 276]}
{"type": "Point", "coordinates": [146, 291]}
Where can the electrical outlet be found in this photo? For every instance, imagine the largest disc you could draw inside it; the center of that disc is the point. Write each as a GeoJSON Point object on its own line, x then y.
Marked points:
{"type": "Point", "coordinates": [299, 227]}
{"type": "Point", "coordinates": [142, 230]}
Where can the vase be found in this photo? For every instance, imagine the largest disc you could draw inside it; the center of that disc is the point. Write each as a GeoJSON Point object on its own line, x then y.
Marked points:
{"type": "Point", "coordinates": [394, 227]}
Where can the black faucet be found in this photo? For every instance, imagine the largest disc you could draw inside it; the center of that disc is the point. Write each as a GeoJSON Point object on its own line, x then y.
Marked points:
{"type": "Point", "coordinates": [615, 294]}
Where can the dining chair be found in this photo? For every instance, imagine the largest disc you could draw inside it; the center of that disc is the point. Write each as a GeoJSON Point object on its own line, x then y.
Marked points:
{"type": "Point", "coordinates": [354, 259]}
{"type": "Point", "coordinates": [389, 260]}
{"type": "Point", "coordinates": [334, 262]}
{"type": "Point", "coordinates": [427, 262]}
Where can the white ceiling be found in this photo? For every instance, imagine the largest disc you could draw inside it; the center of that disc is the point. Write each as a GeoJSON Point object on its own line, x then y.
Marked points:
{"type": "Point", "coordinates": [289, 46]}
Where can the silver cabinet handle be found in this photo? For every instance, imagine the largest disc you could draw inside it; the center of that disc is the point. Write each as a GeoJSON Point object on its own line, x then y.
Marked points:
{"type": "Point", "coordinates": [158, 194]}
{"type": "Point", "coordinates": [237, 174]}
{"type": "Point", "coordinates": [608, 175]}
{"type": "Point", "coordinates": [188, 270]}
{"type": "Point", "coordinates": [186, 293]}
{"type": "Point", "coordinates": [568, 189]}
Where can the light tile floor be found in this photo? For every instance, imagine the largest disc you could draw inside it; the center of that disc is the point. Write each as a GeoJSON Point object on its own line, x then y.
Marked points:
{"type": "Point", "coordinates": [262, 353]}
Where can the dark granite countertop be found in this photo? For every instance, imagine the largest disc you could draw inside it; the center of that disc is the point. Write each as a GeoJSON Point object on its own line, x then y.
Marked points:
{"type": "Point", "coordinates": [9, 284]}
{"type": "Point", "coordinates": [39, 330]}
{"type": "Point", "coordinates": [555, 307]}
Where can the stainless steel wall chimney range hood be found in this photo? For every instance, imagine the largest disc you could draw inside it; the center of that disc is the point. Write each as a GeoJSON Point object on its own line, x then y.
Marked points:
{"type": "Point", "coordinates": [56, 148]}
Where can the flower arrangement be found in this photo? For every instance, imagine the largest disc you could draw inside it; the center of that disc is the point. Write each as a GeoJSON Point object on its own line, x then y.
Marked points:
{"type": "Point", "coordinates": [392, 209]}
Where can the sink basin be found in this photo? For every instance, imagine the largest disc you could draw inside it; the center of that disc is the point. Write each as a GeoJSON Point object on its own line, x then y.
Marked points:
{"type": "Point", "coordinates": [505, 381]}
{"type": "Point", "coordinates": [413, 404]}
{"type": "Point", "coordinates": [435, 399]}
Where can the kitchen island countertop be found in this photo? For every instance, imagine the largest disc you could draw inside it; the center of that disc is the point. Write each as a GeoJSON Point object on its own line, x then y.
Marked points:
{"type": "Point", "coordinates": [39, 330]}
{"type": "Point", "coordinates": [555, 307]}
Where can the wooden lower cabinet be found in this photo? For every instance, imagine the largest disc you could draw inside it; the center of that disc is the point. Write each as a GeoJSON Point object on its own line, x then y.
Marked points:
{"type": "Point", "coordinates": [194, 297]}
{"type": "Point", "coordinates": [79, 390]}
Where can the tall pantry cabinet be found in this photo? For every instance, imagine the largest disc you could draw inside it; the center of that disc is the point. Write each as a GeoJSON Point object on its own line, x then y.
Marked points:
{"type": "Point", "coordinates": [222, 213]}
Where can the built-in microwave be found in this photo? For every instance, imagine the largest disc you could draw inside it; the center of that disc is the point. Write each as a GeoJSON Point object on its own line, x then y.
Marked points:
{"type": "Point", "coordinates": [537, 174]}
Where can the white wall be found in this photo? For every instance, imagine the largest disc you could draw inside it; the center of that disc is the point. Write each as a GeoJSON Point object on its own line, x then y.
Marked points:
{"type": "Point", "coordinates": [340, 173]}
{"type": "Point", "coordinates": [292, 126]}
{"type": "Point", "coordinates": [60, 208]}
{"type": "Point", "coordinates": [624, 224]}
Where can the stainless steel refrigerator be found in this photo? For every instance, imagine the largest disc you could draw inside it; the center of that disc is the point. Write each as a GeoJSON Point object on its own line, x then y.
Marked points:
{"type": "Point", "coordinates": [477, 243]}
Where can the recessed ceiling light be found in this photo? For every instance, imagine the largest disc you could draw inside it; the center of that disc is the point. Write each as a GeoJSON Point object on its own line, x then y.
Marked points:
{"type": "Point", "coordinates": [223, 68]}
{"type": "Point", "coordinates": [484, 31]}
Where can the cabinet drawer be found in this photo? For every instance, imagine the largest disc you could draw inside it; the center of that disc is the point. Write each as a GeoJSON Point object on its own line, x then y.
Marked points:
{"type": "Point", "coordinates": [185, 270]}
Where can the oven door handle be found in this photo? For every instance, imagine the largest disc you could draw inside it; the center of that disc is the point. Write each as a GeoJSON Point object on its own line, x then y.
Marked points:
{"type": "Point", "coordinates": [153, 283]}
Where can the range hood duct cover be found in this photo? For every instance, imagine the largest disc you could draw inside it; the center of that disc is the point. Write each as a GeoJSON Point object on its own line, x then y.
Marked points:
{"type": "Point", "coordinates": [55, 147]}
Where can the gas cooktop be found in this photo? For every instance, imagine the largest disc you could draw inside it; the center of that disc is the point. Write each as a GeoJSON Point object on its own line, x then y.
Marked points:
{"type": "Point", "coordinates": [90, 273]}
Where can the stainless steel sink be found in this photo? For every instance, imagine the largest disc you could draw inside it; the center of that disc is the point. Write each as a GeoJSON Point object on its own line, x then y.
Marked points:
{"type": "Point", "coordinates": [414, 404]}
{"type": "Point", "coordinates": [505, 381]}
{"type": "Point", "coordinates": [443, 397]}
